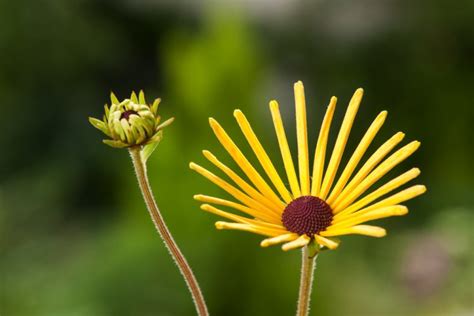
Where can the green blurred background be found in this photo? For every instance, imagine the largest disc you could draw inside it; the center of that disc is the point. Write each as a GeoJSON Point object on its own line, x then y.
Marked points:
{"type": "Point", "coordinates": [75, 236]}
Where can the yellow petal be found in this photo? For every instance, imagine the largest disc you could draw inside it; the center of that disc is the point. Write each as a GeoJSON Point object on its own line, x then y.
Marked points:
{"type": "Point", "coordinates": [386, 188]}
{"type": "Point", "coordinates": [257, 196]}
{"type": "Point", "coordinates": [240, 219]}
{"type": "Point", "coordinates": [357, 155]}
{"type": "Point", "coordinates": [399, 197]}
{"type": "Point", "coordinates": [236, 193]}
{"type": "Point", "coordinates": [265, 216]}
{"type": "Point", "coordinates": [331, 244]}
{"type": "Point", "coordinates": [378, 173]}
{"type": "Point", "coordinates": [369, 165]}
{"type": "Point", "coordinates": [341, 143]}
{"type": "Point", "coordinates": [250, 228]}
{"type": "Point", "coordinates": [320, 152]}
{"type": "Point", "coordinates": [243, 163]}
{"type": "Point", "coordinates": [365, 216]}
{"type": "Point", "coordinates": [301, 241]}
{"type": "Point", "coordinates": [302, 136]}
{"type": "Point", "coordinates": [262, 156]}
{"type": "Point", "coordinates": [278, 239]}
{"type": "Point", "coordinates": [285, 149]}
{"type": "Point", "coordinates": [367, 230]}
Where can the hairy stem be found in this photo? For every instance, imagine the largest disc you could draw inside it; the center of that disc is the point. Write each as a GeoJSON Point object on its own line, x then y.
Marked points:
{"type": "Point", "coordinates": [184, 268]}
{"type": "Point", "coordinates": [308, 261]}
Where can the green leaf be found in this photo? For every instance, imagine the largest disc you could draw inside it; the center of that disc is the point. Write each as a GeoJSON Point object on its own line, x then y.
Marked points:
{"type": "Point", "coordinates": [141, 97]}
{"type": "Point", "coordinates": [114, 143]}
{"type": "Point", "coordinates": [313, 249]}
{"type": "Point", "coordinates": [150, 148]}
{"type": "Point", "coordinates": [133, 97]}
{"type": "Point", "coordinates": [154, 107]}
{"type": "Point", "coordinates": [113, 98]}
{"type": "Point", "coordinates": [165, 123]}
{"type": "Point", "coordinates": [100, 125]}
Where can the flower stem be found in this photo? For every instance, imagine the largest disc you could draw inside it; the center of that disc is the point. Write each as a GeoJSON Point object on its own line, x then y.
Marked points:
{"type": "Point", "coordinates": [184, 268]}
{"type": "Point", "coordinates": [308, 261]}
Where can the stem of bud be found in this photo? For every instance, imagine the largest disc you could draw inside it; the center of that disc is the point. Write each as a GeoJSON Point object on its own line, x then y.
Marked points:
{"type": "Point", "coordinates": [179, 259]}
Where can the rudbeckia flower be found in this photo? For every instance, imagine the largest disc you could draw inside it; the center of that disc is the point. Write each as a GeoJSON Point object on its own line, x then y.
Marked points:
{"type": "Point", "coordinates": [316, 206]}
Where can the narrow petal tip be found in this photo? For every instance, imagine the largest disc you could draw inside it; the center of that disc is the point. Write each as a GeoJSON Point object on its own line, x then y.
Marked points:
{"type": "Point", "coordinates": [298, 84]}
{"type": "Point", "coordinates": [401, 210]}
{"type": "Point", "coordinates": [274, 105]}
{"type": "Point", "coordinates": [192, 166]}
{"type": "Point", "coordinates": [93, 120]}
{"type": "Point", "coordinates": [208, 154]}
{"type": "Point", "coordinates": [238, 113]}
{"type": "Point", "coordinates": [382, 115]}
{"type": "Point", "coordinates": [399, 135]}
{"type": "Point", "coordinates": [421, 188]}
{"type": "Point", "coordinates": [220, 225]}
{"type": "Point", "coordinates": [285, 248]}
{"type": "Point", "coordinates": [205, 207]}
{"type": "Point", "coordinates": [380, 234]}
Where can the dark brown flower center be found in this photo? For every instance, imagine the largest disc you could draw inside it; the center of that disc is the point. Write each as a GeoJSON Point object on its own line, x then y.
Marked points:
{"type": "Point", "coordinates": [307, 215]}
{"type": "Point", "coordinates": [127, 114]}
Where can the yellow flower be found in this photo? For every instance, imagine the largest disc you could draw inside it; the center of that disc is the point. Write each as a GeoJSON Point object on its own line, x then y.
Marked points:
{"type": "Point", "coordinates": [315, 207]}
{"type": "Point", "coordinates": [131, 122]}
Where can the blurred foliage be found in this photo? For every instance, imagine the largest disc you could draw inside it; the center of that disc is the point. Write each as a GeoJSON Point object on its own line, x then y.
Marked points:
{"type": "Point", "coordinates": [76, 239]}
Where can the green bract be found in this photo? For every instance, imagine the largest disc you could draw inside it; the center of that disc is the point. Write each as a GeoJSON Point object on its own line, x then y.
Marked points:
{"type": "Point", "coordinates": [131, 122]}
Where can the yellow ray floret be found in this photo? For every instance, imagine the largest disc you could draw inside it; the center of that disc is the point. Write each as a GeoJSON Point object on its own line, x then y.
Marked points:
{"type": "Point", "coordinates": [279, 239]}
{"type": "Point", "coordinates": [326, 242]}
{"type": "Point", "coordinates": [369, 215]}
{"type": "Point", "coordinates": [250, 228]}
{"type": "Point", "coordinates": [371, 163]}
{"type": "Point", "coordinates": [243, 163]}
{"type": "Point", "coordinates": [301, 241]}
{"type": "Point", "coordinates": [285, 149]}
{"type": "Point", "coordinates": [264, 216]}
{"type": "Point", "coordinates": [357, 155]}
{"type": "Point", "coordinates": [248, 189]}
{"type": "Point", "coordinates": [377, 173]}
{"type": "Point", "coordinates": [320, 152]}
{"type": "Point", "coordinates": [237, 194]}
{"type": "Point", "coordinates": [341, 143]}
{"type": "Point", "coordinates": [262, 155]}
{"type": "Point", "coordinates": [399, 197]}
{"type": "Point", "coordinates": [302, 135]}
{"type": "Point", "coordinates": [240, 219]}
{"type": "Point", "coordinates": [367, 230]}
{"type": "Point", "coordinates": [386, 188]}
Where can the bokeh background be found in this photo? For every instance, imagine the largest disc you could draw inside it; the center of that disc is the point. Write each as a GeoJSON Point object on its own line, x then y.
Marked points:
{"type": "Point", "coordinates": [75, 236]}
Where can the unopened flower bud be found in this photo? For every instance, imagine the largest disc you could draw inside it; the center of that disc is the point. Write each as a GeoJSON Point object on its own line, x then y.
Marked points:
{"type": "Point", "coordinates": [131, 122]}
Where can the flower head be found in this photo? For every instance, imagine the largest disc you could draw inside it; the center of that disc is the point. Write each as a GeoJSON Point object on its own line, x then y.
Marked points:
{"type": "Point", "coordinates": [131, 122]}
{"type": "Point", "coordinates": [314, 207]}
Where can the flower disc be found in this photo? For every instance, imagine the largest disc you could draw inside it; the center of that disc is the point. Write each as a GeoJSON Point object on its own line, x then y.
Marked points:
{"type": "Point", "coordinates": [307, 215]}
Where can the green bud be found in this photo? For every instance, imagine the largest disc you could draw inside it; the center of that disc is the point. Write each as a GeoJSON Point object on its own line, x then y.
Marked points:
{"type": "Point", "coordinates": [131, 122]}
